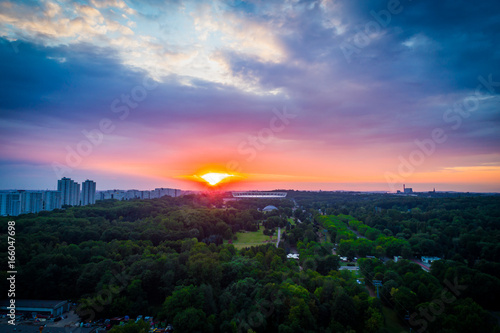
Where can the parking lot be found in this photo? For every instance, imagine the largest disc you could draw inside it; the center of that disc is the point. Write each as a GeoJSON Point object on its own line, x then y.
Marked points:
{"type": "Point", "coordinates": [25, 328]}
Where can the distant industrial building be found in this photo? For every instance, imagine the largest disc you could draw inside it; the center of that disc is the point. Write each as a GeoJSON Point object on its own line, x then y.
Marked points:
{"type": "Point", "coordinates": [406, 190]}
{"type": "Point", "coordinates": [88, 193]}
{"type": "Point", "coordinates": [70, 191]}
{"type": "Point", "coordinates": [258, 194]}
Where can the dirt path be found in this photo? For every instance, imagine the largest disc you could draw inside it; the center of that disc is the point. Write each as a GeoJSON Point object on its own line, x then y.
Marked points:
{"type": "Point", "coordinates": [372, 292]}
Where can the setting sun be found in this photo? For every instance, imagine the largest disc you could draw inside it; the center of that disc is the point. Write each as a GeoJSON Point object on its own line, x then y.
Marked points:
{"type": "Point", "coordinates": [213, 178]}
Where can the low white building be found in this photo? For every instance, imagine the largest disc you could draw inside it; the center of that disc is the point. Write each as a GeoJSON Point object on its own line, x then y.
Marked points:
{"type": "Point", "coordinates": [269, 208]}
{"type": "Point", "coordinates": [429, 260]}
{"type": "Point", "coordinates": [55, 308]}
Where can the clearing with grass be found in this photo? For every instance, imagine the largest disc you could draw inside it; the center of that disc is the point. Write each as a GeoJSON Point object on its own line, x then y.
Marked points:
{"type": "Point", "coordinates": [252, 238]}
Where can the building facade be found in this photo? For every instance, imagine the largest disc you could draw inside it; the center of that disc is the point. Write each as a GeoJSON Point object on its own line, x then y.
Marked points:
{"type": "Point", "coordinates": [31, 202]}
{"type": "Point", "coordinates": [112, 194]}
{"type": "Point", "coordinates": [171, 192]}
{"type": "Point", "coordinates": [28, 306]}
{"type": "Point", "coordinates": [10, 203]}
{"type": "Point", "coordinates": [70, 191]}
{"type": "Point", "coordinates": [88, 193]}
{"type": "Point", "coordinates": [13, 203]}
{"type": "Point", "coordinates": [51, 200]}
{"type": "Point", "coordinates": [137, 194]}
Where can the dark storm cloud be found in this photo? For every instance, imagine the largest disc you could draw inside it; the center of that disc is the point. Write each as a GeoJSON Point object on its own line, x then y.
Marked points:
{"type": "Point", "coordinates": [77, 86]}
{"type": "Point", "coordinates": [59, 81]}
{"type": "Point", "coordinates": [457, 38]}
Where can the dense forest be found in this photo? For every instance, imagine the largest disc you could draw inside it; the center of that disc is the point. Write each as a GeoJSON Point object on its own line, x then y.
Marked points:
{"type": "Point", "coordinates": [172, 258]}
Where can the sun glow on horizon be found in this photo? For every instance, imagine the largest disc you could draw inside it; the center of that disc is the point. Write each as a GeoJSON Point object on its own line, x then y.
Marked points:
{"type": "Point", "coordinates": [213, 178]}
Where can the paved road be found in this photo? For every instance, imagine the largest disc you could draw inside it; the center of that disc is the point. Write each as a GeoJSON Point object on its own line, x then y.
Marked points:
{"type": "Point", "coordinates": [421, 264]}
{"type": "Point", "coordinates": [350, 268]}
{"type": "Point", "coordinates": [357, 233]}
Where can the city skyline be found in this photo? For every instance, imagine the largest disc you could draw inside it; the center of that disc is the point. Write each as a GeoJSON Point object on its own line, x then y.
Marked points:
{"type": "Point", "coordinates": [69, 193]}
{"type": "Point", "coordinates": [313, 95]}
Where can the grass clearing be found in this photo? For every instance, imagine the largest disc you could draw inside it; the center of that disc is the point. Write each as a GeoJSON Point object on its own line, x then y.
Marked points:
{"type": "Point", "coordinates": [252, 238]}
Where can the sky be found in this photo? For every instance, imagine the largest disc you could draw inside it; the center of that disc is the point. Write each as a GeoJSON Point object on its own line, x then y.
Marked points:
{"type": "Point", "coordinates": [306, 95]}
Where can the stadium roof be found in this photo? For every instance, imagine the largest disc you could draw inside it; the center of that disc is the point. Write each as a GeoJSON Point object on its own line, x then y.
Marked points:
{"type": "Point", "coordinates": [258, 194]}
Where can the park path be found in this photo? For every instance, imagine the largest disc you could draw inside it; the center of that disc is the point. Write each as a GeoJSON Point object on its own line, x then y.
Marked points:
{"type": "Point", "coordinates": [357, 233]}
{"type": "Point", "coordinates": [371, 292]}
{"type": "Point", "coordinates": [279, 237]}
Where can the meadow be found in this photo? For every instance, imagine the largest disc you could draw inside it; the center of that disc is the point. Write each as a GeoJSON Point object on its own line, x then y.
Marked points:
{"type": "Point", "coordinates": [251, 238]}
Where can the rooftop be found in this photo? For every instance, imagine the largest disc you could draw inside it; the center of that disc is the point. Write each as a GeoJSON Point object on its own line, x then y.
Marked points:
{"type": "Point", "coordinates": [31, 303]}
{"type": "Point", "coordinates": [269, 208]}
